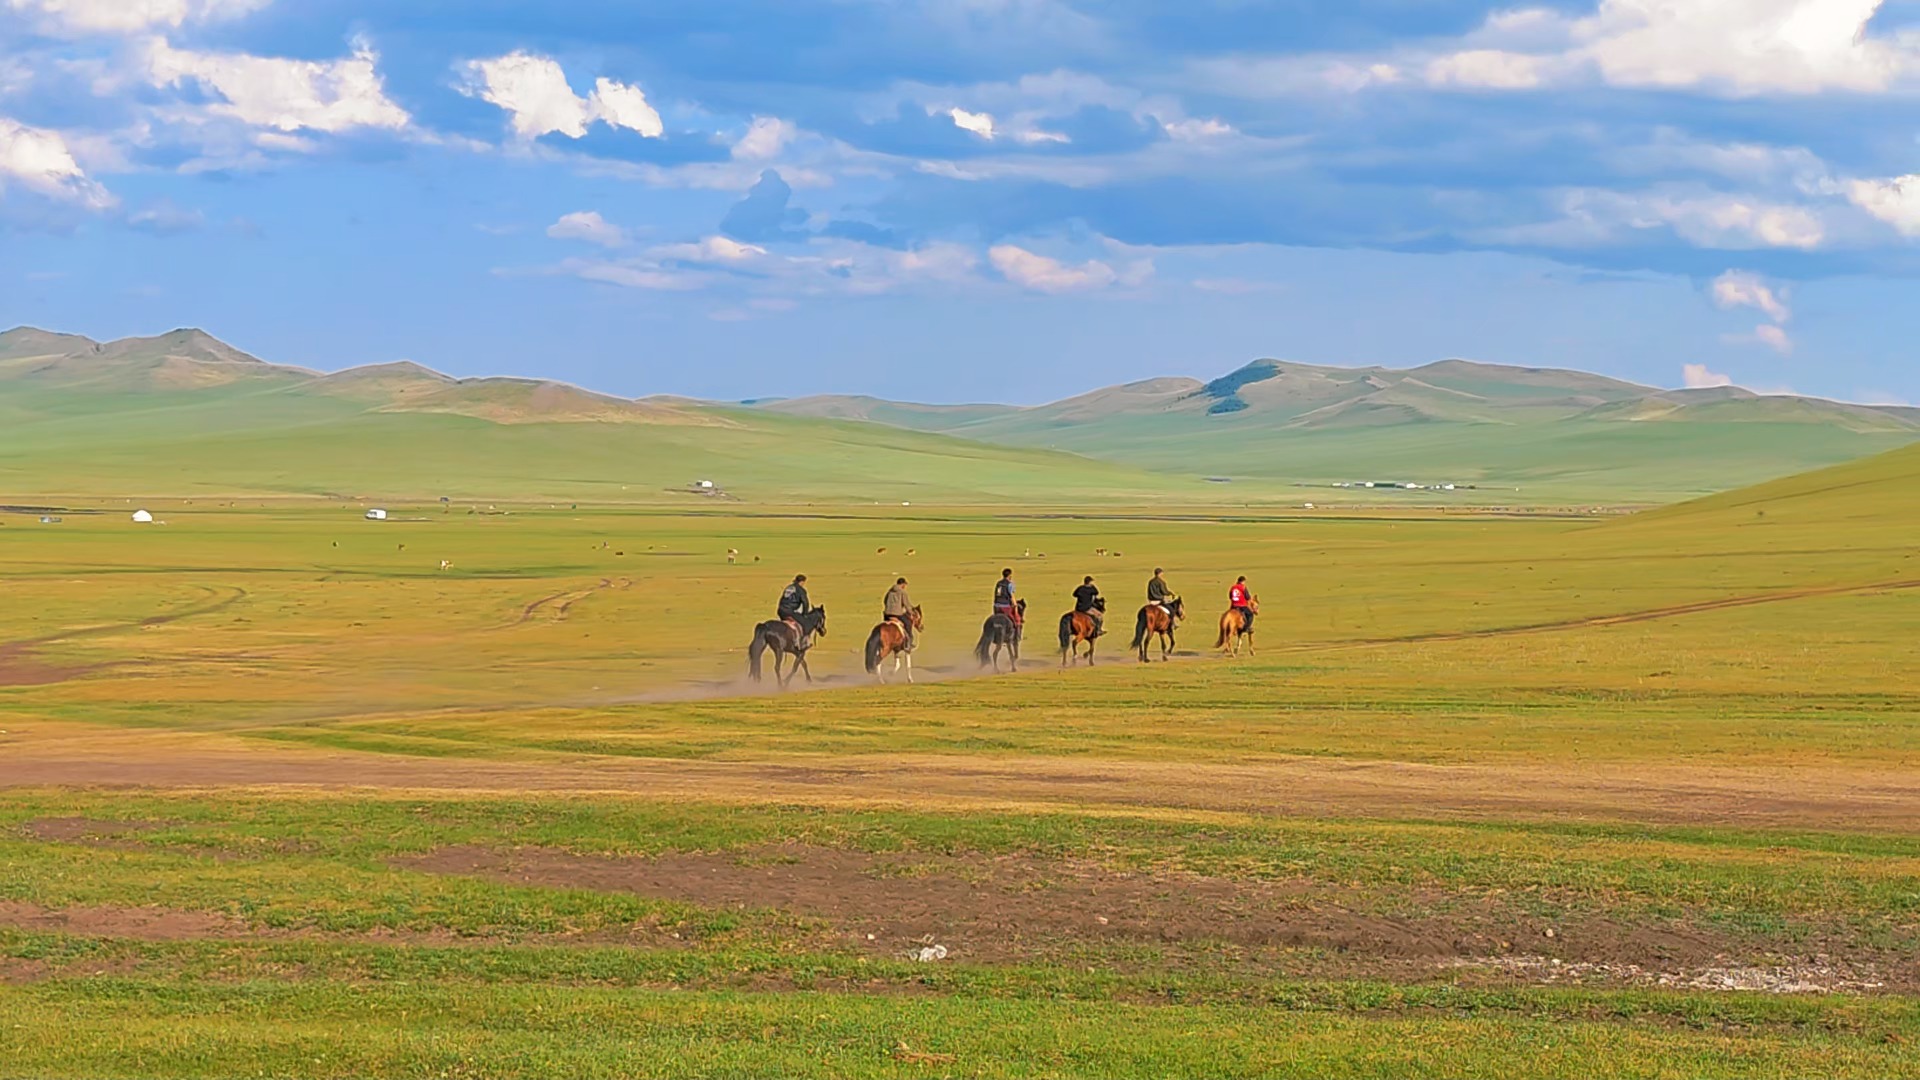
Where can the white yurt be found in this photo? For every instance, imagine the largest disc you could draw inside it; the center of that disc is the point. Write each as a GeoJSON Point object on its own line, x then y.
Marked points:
{"type": "Point", "coordinates": [143, 517]}
{"type": "Point", "coordinates": [376, 515]}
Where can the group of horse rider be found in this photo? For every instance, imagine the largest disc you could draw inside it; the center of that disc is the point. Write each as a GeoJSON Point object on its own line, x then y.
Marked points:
{"type": "Point", "coordinates": [897, 607]}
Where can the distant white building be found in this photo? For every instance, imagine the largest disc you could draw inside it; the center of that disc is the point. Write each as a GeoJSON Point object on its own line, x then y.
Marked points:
{"type": "Point", "coordinates": [376, 515]}
{"type": "Point", "coordinates": [703, 485]}
{"type": "Point", "coordinates": [143, 517]}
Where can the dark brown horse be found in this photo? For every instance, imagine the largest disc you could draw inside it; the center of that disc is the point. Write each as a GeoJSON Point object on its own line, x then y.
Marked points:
{"type": "Point", "coordinates": [1000, 633]}
{"type": "Point", "coordinates": [1161, 620]}
{"type": "Point", "coordinates": [1233, 627]}
{"type": "Point", "coordinates": [889, 640]}
{"type": "Point", "coordinates": [785, 641]}
{"type": "Point", "coordinates": [1076, 627]}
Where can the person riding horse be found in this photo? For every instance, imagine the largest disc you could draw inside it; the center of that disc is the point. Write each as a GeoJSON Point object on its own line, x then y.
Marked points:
{"type": "Point", "coordinates": [1240, 599]}
{"type": "Point", "coordinates": [897, 607]}
{"type": "Point", "coordinates": [1003, 599]}
{"type": "Point", "coordinates": [1087, 601]}
{"type": "Point", "coordinates": [1159, 593]}
{"type": "Point", "coordinates": [794, 601]}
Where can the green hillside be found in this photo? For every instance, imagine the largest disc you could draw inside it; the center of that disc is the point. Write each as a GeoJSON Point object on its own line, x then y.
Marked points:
{"type": "Point", "coordinates": [1525, 434]}
{"type": "Point", "coordinates": [183, 415]}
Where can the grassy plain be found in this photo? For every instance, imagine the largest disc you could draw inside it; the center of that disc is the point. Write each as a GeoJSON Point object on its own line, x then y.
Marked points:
{"type": "Point", "coordinates": [1498, 795]}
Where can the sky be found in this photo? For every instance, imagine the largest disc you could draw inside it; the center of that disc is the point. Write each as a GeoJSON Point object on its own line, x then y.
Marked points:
{"type": "Point", "coordinates": [995, 200]}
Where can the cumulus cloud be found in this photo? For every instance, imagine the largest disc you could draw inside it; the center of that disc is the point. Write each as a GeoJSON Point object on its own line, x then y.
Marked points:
{"type": "Point", "coordinates": [979, 123]}
{"type": "Point", "coordinates": [713, 249]}
{"type": "Point", "coordinates": [284, 95]}
{"type": "Point", "coordinates": [1738, 288]}
{"type": "Point", "coordinates": [764, 140]}
{"type": "Point", "coordinates": [1896, 201]}
{"type": "Point", "coordinates": [1698, 377]}
{"type": "Point", "coordinates": [129, 16]}
{"type": "Point", "coordinates": [590, 227]}
{"type": "Point", "coordinates": [1733, 47]}
{"type": "Point", "coordinates": [41, 161]}
{"type": "Point", "coordinates": [1030, 270]}
{"type": "Point", "coordinates": [534, 91]}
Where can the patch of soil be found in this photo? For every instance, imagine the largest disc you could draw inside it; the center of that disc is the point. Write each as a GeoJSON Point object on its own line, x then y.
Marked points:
{"type": "Point", "coordinates": [140, 924]}
{"type": "Point", "coordinates": [1008, 908]}
{"type": "Point", "coordinates": [91, 832]}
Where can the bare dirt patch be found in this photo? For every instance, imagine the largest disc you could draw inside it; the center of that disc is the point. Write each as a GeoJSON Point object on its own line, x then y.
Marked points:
{"type": "Point", "coordinates": [91, 832]}
{"type": "Point", "coordinates": [140, 924]}
{"type": "Point", "coordinates": [997, 909]}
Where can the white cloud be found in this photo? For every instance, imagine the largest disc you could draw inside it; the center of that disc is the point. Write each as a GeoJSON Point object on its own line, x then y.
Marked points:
{"type": "Point", "coordinates": [1491, 69]}
{"type": "Point", "coordinates": [1774, 338]}
{"type": "Point", "coordinates": [588, 226]}
{"type": "Point", "coordinates": [764, 140]}
{"type": "Point", "coordinates": [534, 91]}
{"type": "Point", "coordinates": [1697, 377]}
{"type": "Point", "coordinates": [1895, 201]}
{"type": "Point", "coordinates": [713, 249]}
{"type": "Point", "coordinates": [979, 123]}
{"type": "Point", "coordinates": [1742, 46]}
{"type": "Point", "coordinates": [623, 106]}
{"type": "Point", "coordinates": [1738, 288]}
{"type": "Point", "coordinates": [1197, 130]}
{"type": "Point", "coordinates": [1733, 47]}
{"type": "Point", "coordinates": [285, 95]}
{"type": "Point", "coordinates": [1034, 271]}
{"type": "Point", "coordinates": [1702, 218]}
{"type": "Point", "coordinates": [129, 16]}
{"type": "Point", "coordinates": [40, 160]}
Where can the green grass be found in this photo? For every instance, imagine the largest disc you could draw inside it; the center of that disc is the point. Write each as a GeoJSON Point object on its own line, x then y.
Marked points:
{"type": "Point", "coordinates": [1737, 669]}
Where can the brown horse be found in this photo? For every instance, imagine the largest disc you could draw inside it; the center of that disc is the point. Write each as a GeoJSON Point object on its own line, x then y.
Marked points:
{"type": "Point", "coordinates": [1233, 627]}
{"type": "Point", "coordinates": [780, 636]}
{"type": "Point", "coordinates": [1000, 633]}
{"type": "Point", "coordinates": [889, 640]}
{"type": "Point", "coordinates": [1076, 627]}
{"type": "Point", "coordinates": [1161, 620]}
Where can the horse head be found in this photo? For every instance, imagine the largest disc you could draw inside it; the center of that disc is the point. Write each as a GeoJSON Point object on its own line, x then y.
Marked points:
{"type": "Point", "coordinates": [819, 617]}
{"type": "Point", "coordinates": [1021, 607]}
{"type": "Point", "coordinates": [1177, 608]}
{"type": "Point", "coordinates": [919, 621]}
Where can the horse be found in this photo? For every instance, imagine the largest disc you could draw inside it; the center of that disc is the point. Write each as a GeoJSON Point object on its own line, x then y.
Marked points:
{"type": "Point", "coordinates": [888, 640]}
{"type": "Point", "coordinates": [779, 636]}
{"type": "Point", "coordinates": [1076, 627]}
{"type": "Point", "coordinates": [1157, 619]}
{"type": "Point", "coordinates": [1233, 627]}
{"type": "Point", "coordinates": [999, 633]}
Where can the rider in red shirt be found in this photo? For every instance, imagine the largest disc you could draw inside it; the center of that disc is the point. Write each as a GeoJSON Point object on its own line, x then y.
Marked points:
{"type": "Point", "coordinates": [1241, 599]}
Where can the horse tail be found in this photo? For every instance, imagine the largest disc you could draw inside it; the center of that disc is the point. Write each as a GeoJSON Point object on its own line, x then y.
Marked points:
{"type": "Point", "coordinates": [1226, 630]}
{"type": "Point", "coordinates": [983, 652]}
{"type": "Point", "coordinates": [1066, 631]}
{"type": "Point", "coordinates": [874, 643]}
{"type": "Point", "coordinates": [753, 655]}
{"type": "Point", "coordinates": [1140, 630]}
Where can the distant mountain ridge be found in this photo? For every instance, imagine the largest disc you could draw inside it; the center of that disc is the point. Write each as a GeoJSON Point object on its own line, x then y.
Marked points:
{"type": "Point", "coordinates": [190, 359]}
{"type": "Point", "coordinates": [1549, 433]}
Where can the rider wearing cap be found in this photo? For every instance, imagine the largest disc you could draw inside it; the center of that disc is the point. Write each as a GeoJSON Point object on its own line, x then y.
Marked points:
{"type": "Point", "coordinates": [1159, 593]}
{"type": "Point", "coordinates": [1086, 601]}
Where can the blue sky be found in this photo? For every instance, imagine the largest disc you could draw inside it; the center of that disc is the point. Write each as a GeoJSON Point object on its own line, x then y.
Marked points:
{"type": "Point", "coordinates": [975, 199]}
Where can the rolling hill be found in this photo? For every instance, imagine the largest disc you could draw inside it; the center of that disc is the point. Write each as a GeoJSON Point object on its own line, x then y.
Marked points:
{"type": "Point", "coordinates": [183, 414]}
{"type": "Point", "coordinates": [1554, 435]}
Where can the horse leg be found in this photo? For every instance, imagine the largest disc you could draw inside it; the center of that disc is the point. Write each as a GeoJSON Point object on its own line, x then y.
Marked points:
{"type": "Point", "coordinates": [801, 663]}
{"type": "Point", "coordinates": [1249, 643]}
{"type": "Point", "coordinates": [908, 657]}
{"type": "Point", "coordinates": [880, 667]}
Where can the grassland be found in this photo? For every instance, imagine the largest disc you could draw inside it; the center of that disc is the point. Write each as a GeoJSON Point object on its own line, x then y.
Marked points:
{"type": "Point", "coordinates": [1499, 795]}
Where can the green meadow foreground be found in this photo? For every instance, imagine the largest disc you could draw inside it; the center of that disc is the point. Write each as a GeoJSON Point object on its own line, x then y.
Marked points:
{"type": "Point", "coordinates": [1499, 795]}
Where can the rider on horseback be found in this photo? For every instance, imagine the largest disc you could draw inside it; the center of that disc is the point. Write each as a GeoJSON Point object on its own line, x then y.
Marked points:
{"type": "Point", "coordinates": [1087, 601]}
{"type": "Point", "coordinates": [1003, 601]}
{"type": "Point", "coordinates": [794, 602]}
{"type": "Point", "coordinates": [1240, 598]}
{"type": "Point", "coordinates": [1159, 593]}
{"type": "Point", "coordinates": [898, 608]}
